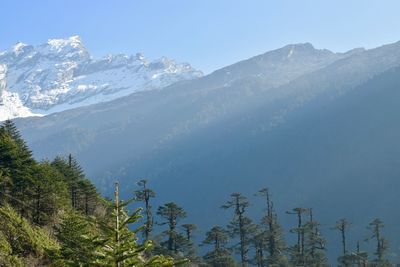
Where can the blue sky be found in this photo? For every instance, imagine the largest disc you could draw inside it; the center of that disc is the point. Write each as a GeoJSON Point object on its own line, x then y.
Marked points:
{"type": "Point", "coordinates": [209, 34]}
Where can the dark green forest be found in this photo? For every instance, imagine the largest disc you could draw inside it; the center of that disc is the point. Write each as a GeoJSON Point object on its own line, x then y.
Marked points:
{"type": "Point", "coordinates": [52, 215]}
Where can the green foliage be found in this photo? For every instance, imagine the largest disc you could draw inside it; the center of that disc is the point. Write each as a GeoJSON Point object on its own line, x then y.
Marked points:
{"type": "Point", "coordinates": [240, 226]}
{"type": "Point", "coordinates": [375, 228]}
{"type": "Point", "coordinates": [33, 193]}
{"type": "Point", "coordinates": [52, 215]}
{"type": "Point", "coordinates": [271, 239]}
{"type": "Point", "coordinates": [49, 193]}
{"type": "Point", "coordinates": [74, 234]}
{"type": "Point", "coordinates": [119, 246]}
{"type": "Point", "coordinates": [17, 163]}
{"type": "Point", "coordinates": [188, 247]}
{"type": "Point", "coordinates": [19, 240]}
{"type": "Point", "coordinates": [220, 255]}
{"type": "Point", "coordinates": [171, 213]}
{"type": "Point", "coordinates": [144, 195]}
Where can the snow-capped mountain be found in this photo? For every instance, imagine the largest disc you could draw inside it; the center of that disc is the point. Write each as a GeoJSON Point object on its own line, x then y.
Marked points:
{"type": "Point", "coordinates": [61, 75]}
{"type": "Point", "coordinates": [10, 103]}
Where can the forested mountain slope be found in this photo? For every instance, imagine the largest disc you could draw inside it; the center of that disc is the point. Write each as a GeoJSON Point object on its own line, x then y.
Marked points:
{"type": "Point", "coordinates": [325, 137]}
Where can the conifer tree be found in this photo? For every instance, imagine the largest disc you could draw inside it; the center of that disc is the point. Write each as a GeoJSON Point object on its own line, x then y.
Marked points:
{"type": "Point", "coordinates": [273, 233]}
{"type": "Point", "coordinates": [171, 213]}
{"type": "Point", "coordinates": [8, 159]}
{"type": "Point", "coordinates": [219, 256]}
{"type": "Point", "coordinates": [298, 251]}
{"type": "Point", "coordinates": [48, 194]}
{"type": "Point", "coordinates": [315, 244]}
{"type": "Point", "coordinates": [119, 248]}
{"type": "Point", "coordinates": [189, 228]}
{"type": "Point", "coordinates": [5, 185]}
{"type": "Point", "coordinates": [342, 225]}
{"type": "Point", "coordinates": [74, 177]}
{"type": "Point", "coordinates": [88, 196]}
{"type": "Point", "coordinates": [144, 195]}
{"type": "Point", "coordinates": [345, 259]}
{"type": "Point", "coordinates": [75, 234]}
{"type": "Point", "coordinates": [260, 244]}
{"type": "Point", "coordinates": [240, 226]}
{"type": "Point", "coordinates": [360, 258]}
{"type": "Point", "coordinates": [375, 228]}
{"type": "Point", "coordinates": [18, 160]}
{"type": "Point", "coordinates": [188, 245]}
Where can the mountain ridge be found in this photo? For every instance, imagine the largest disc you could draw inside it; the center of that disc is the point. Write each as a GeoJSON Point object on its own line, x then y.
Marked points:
{"type": "Point", "coordinates": [61, 74]}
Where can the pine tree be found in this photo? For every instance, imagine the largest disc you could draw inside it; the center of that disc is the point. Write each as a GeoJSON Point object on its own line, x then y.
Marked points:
{"type": "Point", "coordinates": [189, 247]}
{"type": "Point", "coordinates": [88, 196]}
{"type": "Point", "coordinates": [19, 163]}
{"type": "Point", "coordinates": [240, 226]}
{"type": "Point", "coordinates": [298, 250]}
{"type": "Point", "coordinates": [8, 159]}
{"type": "Point", "coordinates": [260, 243]}
{"type": "Point", "coordinates": [273, 233]}
{"type": "Point", "coordinates": [75, 179]}
{"type": "Point", "coordinates": [171, 213]}
{"type": "Point", "coordinates": [375, 228]}
{"type": "Point", "coordinates": [360, 258]}
{"type": "Point", "coordinates": [49, 193]}
{"type": "Point", "coordinates": [75, 234]}
{"type": "Point", "coordinates": [5, 186]}
{"type": "Point", "coordinates": [345, 259]}
{"type": "Point", "coordinates": [314, 249]}
{"type": "Point", "coordinates": [11, 129]}
{"type": "Point", "coordinates": [220, 256]}
{"type": "Point", "coordinates": [119, 248]}
{"type": "Point", "coordinates": [145, 194]}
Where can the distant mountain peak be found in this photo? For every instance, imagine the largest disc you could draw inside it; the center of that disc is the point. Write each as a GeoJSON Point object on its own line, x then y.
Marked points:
{"type": "Point", "coordinates": [18, 48]}
{"type": "Point", "coordinates": [74, 41]}
{"type": "Point", "coordinates": [61, 74]}
{"type": "Point", "coordinates": [302, 46]}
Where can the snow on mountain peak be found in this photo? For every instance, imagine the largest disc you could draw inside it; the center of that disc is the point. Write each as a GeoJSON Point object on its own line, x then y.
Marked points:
{"type": "Point", "coordinates": [3, 72]}
{"type": "Point", "coordinates": [72, 48]}
{"type": "Point", "coordinates": [18, 48]}
{"type": "Point", "coordinates": [10, 104]}
{"type": "Point", "coordinates": [58, 45]}
{"type": "Point", "coordinates": [61, 74]}
{"type": "Point", "coordinates": [73, 41]}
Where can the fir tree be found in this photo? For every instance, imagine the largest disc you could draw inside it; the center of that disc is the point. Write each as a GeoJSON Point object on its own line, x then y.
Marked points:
{"type": "Point", "coordinates": [240, 226]}
{"type": "Point", "coordinates": [375, 228]}
{"type": "Point", "coordinates": [49, 193]}
{"type": "Point", "coordinates": [171, 213]}
{"type": "Point", "coordinates": [345, 259]}
{"type": "Point", "coordinates": [145, 194]}
{"type": "Point", "coordinates": [273, 233]}
{"type": "Point", "coordinates": [119, 248]}
{"type": "Point", "coordinates": [260, 244]}
{"type": "Point", "coordinates": [75, 234]}
{"type": "Point", "coordinates": [314, 244]}
{"type": "Point", "coordinates": [189, 247]}
{"type": "Point", "coordinates": [219, 256]}
{"type": "Point", "coordinates": [298, 251]}
{"type": "Point", "coordinates": [74, 177]}
{"type": "Point", "coordinates": [88, 196]}
{"type": "Point", "coordinates": [8, 159]}
{"type": "Point", "coordinates": [19, 163]}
